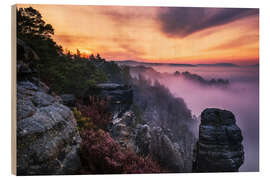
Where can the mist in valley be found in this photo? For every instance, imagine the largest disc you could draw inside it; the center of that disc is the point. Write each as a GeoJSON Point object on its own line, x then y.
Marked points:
{"type": "Point", "coordinates": [240, 96]}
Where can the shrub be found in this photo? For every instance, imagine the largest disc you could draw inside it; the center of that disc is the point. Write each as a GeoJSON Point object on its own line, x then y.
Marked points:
{"type": "Point", "coordinates": [95, 114]}
{"type": "Point", "coordinates": [82, 121]}
{"type": "Point", "coordinates": [101, 154]}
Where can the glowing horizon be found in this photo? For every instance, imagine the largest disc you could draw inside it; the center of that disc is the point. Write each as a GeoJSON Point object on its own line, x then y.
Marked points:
{"type": "Point", "coordinates": [157, 34]}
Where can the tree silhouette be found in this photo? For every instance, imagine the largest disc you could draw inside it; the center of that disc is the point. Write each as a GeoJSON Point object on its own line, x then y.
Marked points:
{"type": "Point", "coordinates": [98, 56]}
{"type": "Point", "coordinates": [68, 54]}
{"type": "Point", "coordinates": [78, 54]}
{"type": "Point", "coordinates": [31, 25]}
{"type": "Point", "coordinates": [92, 57]}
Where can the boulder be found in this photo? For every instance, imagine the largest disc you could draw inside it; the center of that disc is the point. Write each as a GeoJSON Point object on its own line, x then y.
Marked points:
{"type": "Point", "coordinates": [219, 148]}
{"type": "Point", "coordinates": [47, 137]}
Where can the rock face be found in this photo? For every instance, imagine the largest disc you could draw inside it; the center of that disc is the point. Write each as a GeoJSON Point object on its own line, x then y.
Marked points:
{"type": "Point", "coordinates": [219, 148]}
{"type": "Point", "coordinates": [148, 141]}
{"type": "Point", "coordinates": [122, 130]}
{"type": "Point", "coordinates": [163, 150]}
{"type": "Point", "coordinates": [120, 96]}
{"type": "Point", "coordinates": [47, 137]}
{"type": "Point", "coordinates": [143, 139]}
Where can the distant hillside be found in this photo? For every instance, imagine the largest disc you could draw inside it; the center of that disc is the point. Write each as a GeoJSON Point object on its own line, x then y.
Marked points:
{"type": "Point", "coordinates": [150, 73]}
{"type": "Point", "coordinates": [133, 62]}
{"type": "Point", "coordinates": [219, 64]}
{"type": "Point", "coordinates": [254, 65]}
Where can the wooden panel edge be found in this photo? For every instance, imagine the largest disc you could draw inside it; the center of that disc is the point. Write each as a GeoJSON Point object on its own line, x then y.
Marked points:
{"type": "Point", "coordinates": [13, 91]}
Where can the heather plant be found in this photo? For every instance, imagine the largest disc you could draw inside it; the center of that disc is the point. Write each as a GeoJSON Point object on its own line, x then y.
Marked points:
{"type": "Point", "coordinates": [82, 121]}
{"type": "Point", "coordinates": [101, 154]}
{"type": "Point", "coordinates": [95, 114]}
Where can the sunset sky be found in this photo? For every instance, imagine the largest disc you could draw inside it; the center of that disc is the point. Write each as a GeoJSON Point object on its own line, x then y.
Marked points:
{"type": "Point", "coordinates": [157, 34]}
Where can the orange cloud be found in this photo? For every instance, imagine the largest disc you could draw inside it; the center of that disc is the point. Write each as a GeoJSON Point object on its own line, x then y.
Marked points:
{"type": "Point", "coordinates": [120, 33]}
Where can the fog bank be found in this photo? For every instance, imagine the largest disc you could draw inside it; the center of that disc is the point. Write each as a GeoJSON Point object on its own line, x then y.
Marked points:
{"type": "Point", "coordinates": [241, 97]}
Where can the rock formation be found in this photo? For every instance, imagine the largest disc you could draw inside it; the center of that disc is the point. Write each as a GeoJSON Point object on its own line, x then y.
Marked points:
{"type": "Point", "coordinates": [47, 137]}
{"type": "Point", "coordinates": [165, 151]}
{"type": "Point", "coordinates": [145, 140]}
{"type": "Point", "coordinates": [122, 130]}
{"type": "Point", "coordinates": [120, 96]}
{"type": "Point", "coordinates": [148, 141]}
{"type": "Point", "coordinates": [219, 148]}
